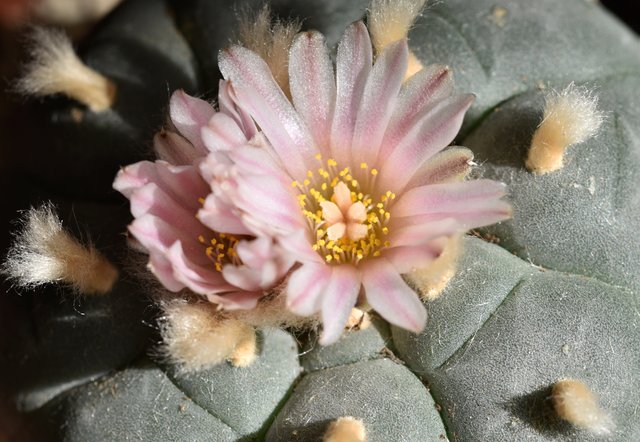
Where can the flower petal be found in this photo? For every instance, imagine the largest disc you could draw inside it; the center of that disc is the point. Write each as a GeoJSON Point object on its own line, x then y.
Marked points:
{"type": "Point", "coordinates": [236, 300]}
{"type": "Point", "coordinates": [418, 95]}
{"type": "Point", "coordinates": [353, 63]}
{"type": "Point", "coordinates": [338, 298]}
{"type": "Point", "coordinates": [471, 203]}
{"type": "Point", "coordinates": [201, 279]}
{"type": "Point", "coordinates": [156, 236]}
{"type": "Point", "coordinates": [228, 103]}
{"type": "Point", "coordinates": [134, 176]}
{"type": "Point", "coordinates": [260, 95]}
{"type": "Point", "coordinates": [452, 164]}
{"type": "Point", "coordinates": [378, 100]}
{"type": "Point", "coordinates": [391, 298]}
{"type": "Point", "coordinates": [173, 148]}
{"type": "Point", "coordinates": [189, 114]}
{"type": "Point", "coordinates": [305, 286]}
{"type": "Point", "coordinates": [161, 267]}
{"type": "Point", "coordinates": [222, 133]}
{"type": "Point", "coordinates": [410, 258]}
{"type": "Point", "coordinates": [427, 137]}
{"type": "Point", "coordinates": [420, 234]}
{"type": "Point", "coordinates": [313, 86]}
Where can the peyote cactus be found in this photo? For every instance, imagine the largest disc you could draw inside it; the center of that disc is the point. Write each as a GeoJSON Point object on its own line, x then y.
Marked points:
{"type": "Point", "coordinates": [550, 294]}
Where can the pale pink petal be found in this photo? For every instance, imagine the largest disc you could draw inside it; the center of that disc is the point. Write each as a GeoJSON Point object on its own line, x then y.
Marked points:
{"type": "Point", "coordinates": [356, 232]}
{"type": "Point", "coordinates": [221, 217]}
{"type": "Point", "coordinates": [236, 300]}
{"type": "Point", "coordinates": [189, 115]}
{"type": "Point", "coordinates": [161, 267]}
{"type": "Point", "coordinates": [268, 202]}
{"type": "Point", "coordinates": [260, 95]}
{"type": "Point", "coordinates": [427, 137]}
{"type": "Point", "coordinates": [410, 258]}
{"type": "Point", "coordinates": [305, 286]}
{"type": "Point", "coordinates": [182, 183]}
{"type": "Point", "coordinates": [378, 101]}
{"type": "Point", "coordinates": [353, 64]}
{"type": "Point", "coordinates": [173, 148]}
{"type": "Point", "coordinates": [419, 234]}
{"type": "Point", "coordinates": [336, 231]}
{"type": "Point", "coordinates": [244, 277]}
{"type": "Point", "coordinates": [331, 213]}
{"type": "Point", "coordinates": [134, 176]}
{"type": "Point", "coordinates": [151, 199]}
{"type": "Point", "coordinates": [474, 214]}
{"type": "Point", "coordinates": [448, 197]}
{"type": "Point", "coordinates": [418, 95]}
{"type": "Point", "coordinates": [447, 166]}
{"type": "Point", "coordinates": [201, 279]}
{"type": "Point", "coordinates": [338, 298]}
{"type": "Point", "coordinates": [391, 298]}
{"type": "Point", "coordinates": [228, 103]}
{"type": "Point", "coordinates": [222, 133]}
{"type": "Point", "coordinates": [298, 246]}
{"type": "Point", "coordinates": [313, 86]}
{"type": "Point", "coordinates": [257, 161]}
{"type": "Point", "coordinates": [357, 212]}
{"type": "Point", "coordinates": [256, 252]}
{"type": "Point", "coordinates": [157, 236]}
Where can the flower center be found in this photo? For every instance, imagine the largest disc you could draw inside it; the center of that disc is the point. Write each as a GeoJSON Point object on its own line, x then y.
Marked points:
{"type": "Point", "coordinates": [349, 225]}
{"type": "Point", "coordinates": [220, 247]}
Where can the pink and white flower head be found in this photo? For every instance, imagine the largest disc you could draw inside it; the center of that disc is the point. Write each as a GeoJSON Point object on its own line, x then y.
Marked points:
{"type": "Point", "coordinates": [351, 175]}
{"type": "Point", "coordinates": [168, 201]}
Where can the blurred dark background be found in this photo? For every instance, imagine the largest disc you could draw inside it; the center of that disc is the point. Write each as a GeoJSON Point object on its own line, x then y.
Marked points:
{"type": "Point", "coordinates": [625, 9]}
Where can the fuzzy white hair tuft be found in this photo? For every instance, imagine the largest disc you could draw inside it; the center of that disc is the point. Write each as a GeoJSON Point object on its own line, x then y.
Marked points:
{"type": "Point", "coordinates": [195, 337]}
{"type": "Point", "coordinates": [271, 39]}
{"type": "Point", "coordinates": [570, 117]}
{"type": "Point", "coordinates": [56, 69]}
{"type": "Point", "coordinates": [346, 429]}
{"type": "Point", "coordinates": [44, 253]}
{"type": "Point", "coordinates": [575, 402]}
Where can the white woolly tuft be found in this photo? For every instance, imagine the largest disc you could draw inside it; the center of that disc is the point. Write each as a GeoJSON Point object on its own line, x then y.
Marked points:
{"type": "Point", "coordinates": [271, 39]}
{"type": "Point", "coordinates": [576, 403]}
{"type": "Point", "coordinates": [44, 253]}
{"type": "Point", "coordinates": [570, 117]}
{"type": "Point", "coordinates": [575, 109]}
{"type": "Point", "coordinates": [346, 429]}
{"type": "Point", "coordinates": [73, 12]}
{"type": "Point", "coordinates": [196, 337]}
{"type": "Point", "coordinates": [390, 20]}
{"type": "Point", "coordinates": [56, 69]}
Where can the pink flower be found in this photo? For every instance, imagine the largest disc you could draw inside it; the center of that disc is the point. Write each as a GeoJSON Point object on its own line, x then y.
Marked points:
{"type": "Point", "coordinates": [351, 176]}
{"type": "Point", "coordinates": [229, 266]}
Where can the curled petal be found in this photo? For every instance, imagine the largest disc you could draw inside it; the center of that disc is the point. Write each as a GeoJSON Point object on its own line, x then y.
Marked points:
{"type": "Point", "coordinates": [189, 114]}
{"type": "Point", "coordinates": [173, 148]}
{"type": "Point", "coordinates": [452, 164]}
